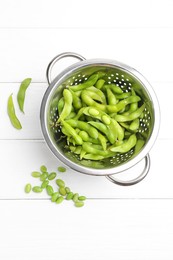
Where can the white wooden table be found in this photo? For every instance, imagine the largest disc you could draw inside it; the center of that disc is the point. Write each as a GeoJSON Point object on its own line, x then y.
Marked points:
{"type": "Point", "coordinates": [117, 222]}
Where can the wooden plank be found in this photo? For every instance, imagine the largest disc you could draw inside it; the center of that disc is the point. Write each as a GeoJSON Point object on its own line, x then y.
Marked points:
{"type": "Point", "coordinates": [72, 14]}
{"type": "Point", "coordinates": [19, 158]}
{"type": "Point", "coordinates": [122, 229]}
{"type": "Point", "coordinates": [30, 50]}
{"type": "Point", "coordinates": [31, 119]}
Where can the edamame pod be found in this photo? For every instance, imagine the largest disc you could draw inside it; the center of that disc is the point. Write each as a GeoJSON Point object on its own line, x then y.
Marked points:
{"type": "Point", "coordinates": [126, 146]}
{"type": "Point", "coordinates": [22, 91]}
{"type": "Point", "coordinates": [67, 105]}
{"type": "Point", "coordinates": [90, 82]}
{"type": "Point", "coordinates": [132, 116]}
{"type": "Point", "coordinates": [12, 114]}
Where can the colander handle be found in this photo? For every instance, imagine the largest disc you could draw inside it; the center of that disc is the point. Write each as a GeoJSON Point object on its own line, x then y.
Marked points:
{"type": "Point", "coordinates": [137, 179]}
{"type": "Point", "coordinates": [59, 57]}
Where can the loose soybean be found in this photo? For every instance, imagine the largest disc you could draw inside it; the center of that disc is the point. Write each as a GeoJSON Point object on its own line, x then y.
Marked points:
{"type": "Point", "coordinates": [52, 176]}
{"type": "Point", "coordinates": [63, 192]}
{"type": "Point", "coordinates": [28, 188]}
{"type": "Point", "coordinates": [61, 169]}
{"type": "Point", "coordinates": [37, 189]}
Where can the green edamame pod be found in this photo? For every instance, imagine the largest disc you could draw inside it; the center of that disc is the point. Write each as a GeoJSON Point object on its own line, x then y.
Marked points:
{"type": "Point", "coordinates": [123, 95]}
{"type": "Point", "coordinates": [90, 148]}
{"type": "Point", "coordinates": [83, 126]}
{"type": "Point", "coordinates": [11, 113]}
{"type": "Point", "coordinates": [60, 105]}
{"type": "Point", "coordinates": [111, 97]}
{"type": "Point", "coordinates": [90, 82]}
{"type": "Point", "coordinates": [132, 116]}
{"type": "Point", "coordinates": [22, 91]}
{"type": "Point", "coordinates": [67, 105]}
{"type": "Point", "coordinates": [91, 102]}
{"type": "Point", "coordinates": [91, 94]}
{"type": "Point", "coordinates": [119, 130]}
{"type": "Point", "coordinates": [99, 84]}
{"type": "Point", "coordinates": [76, 100]}
{"type": "Point", "coordinates": [103, 141]}
{"type": "Point", "coordinates": [71, 115]}
{"type": "Point", "coordinates": [99, 93]}
{"type": "Point", "coordinates": [93, 157]}
{"type": "Point", "coordinates": [104, 129]}
{"type": "Point", "coordinates": [139, 144]}
{"type": "Point", "coordinates": [134, 125]}
{"type": "Point", "coordinates": [116, 89]}
{"type": "Point", "coordinates": [126, 146]}
{"type": "Point", "coordinates": [82, 153]}
{"type": "Point", "coordinates": [122, 104]}
{"type": "Point", "coordinates": [71, 131]}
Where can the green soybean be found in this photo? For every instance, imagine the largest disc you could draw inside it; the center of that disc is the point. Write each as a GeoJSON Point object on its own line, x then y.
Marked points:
{"type": "Point", "coordinates": [60, 183]}
{"type": "Point", "coordinates": [81, 198]}
{"type": "Point", "coordinates": [61, 169]}
{"type": "Point", "coordinates": [36, 174]}
{"type": "Point", "coordinates": [49, 190]}
{"type": "Point", "coordinates": [28, 188]}
{"type": "Point", "coordinates": [69, 196]}
{"type": "Point", "coordinates": [60, 200]}
{"type": "Point", "coordinates": [43, 168]}
{"type": "Point", "coordinates": [67, 189]}
{"type": "Point", "coordinates": [62, 191]}
{"type": "Point", "coordinates": [52, 176]}
{"type": "Point", "coordinates": [43, 176]}
{"type": "Point", "coordinates": [37, 189]}
{"type": "Point", "coordinates": [55, 196]}
{"type": "Point", "coordinates": [12, 114]}
{"type": "Point", "coordinates": [44, 184]}
{"type": "Point", "coordinates": [79, 204]}
{"type": "Point", "coordinates": [75, 197]}
{"type": "Point", "coordinates": [22, 92]}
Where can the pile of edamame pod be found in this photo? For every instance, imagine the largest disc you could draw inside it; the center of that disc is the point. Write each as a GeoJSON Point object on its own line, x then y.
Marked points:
{"type": "Point", "coordinates": [99, 120]}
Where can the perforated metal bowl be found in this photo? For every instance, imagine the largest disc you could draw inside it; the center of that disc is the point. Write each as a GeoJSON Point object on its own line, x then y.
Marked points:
{"type": "Point", "coordinates": [123, 76]}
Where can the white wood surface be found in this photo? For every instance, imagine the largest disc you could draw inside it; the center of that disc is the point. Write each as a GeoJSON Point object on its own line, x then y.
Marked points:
{"type": "Point", "coordinates": [117, 222]}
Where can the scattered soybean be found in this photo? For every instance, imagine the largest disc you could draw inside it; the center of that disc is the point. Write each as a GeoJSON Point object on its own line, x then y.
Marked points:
{"type": "Point", "coordinates": [28, 188]}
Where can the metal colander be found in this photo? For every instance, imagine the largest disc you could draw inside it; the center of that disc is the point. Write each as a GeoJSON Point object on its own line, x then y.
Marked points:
{"type": "Point", "coordinates": [114, 72]}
